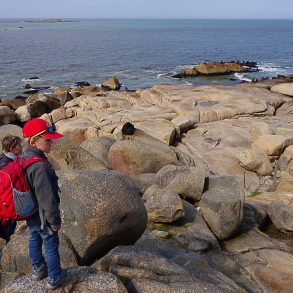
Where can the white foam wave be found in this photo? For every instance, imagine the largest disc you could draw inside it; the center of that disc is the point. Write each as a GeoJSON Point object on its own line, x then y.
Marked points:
{"type": "Point", "coordinates": [271, 67]}
{"type": "Point", "coordinates": [241, 76]}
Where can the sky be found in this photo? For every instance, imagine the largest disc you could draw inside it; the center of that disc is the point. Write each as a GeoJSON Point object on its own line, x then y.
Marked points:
{"type": "Point", "coordinates": [193, 9]}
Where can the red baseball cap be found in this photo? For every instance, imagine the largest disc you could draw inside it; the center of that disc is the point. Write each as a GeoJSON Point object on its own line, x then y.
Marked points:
{"type": "Point", "coordinates": [39, 127]}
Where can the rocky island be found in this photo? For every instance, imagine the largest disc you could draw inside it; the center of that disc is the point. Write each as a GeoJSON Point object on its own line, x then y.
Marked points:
{"type": "Point", "coordinates": [173, 188]}
{"type": "Point", "coordinates": [51, 20]}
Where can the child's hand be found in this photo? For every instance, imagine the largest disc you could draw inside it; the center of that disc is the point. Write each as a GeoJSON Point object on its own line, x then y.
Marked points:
{"type": "Point", "coordinates": [55, 228]}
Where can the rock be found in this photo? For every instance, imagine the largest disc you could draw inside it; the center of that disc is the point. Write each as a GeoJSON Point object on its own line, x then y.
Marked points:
{"type": "Point", "coordinates": [7, 115]}
{"type": "Point", "coordinates": [91, 221]}
{"type": "Point", "coordinates": [23, 113]}
{"type": "Point", "coordinates": [185, 123]}
{"type": "Point", "coordinates": [164, 206]}
{"type": "Point", "coordinates": [13, 104]}
{"type": "Point", "coordinates": [7, 277]}
{"type": "Point", "coordinates": [285, 184]}
{"type": "Point", "coordinates": [38, 104]}
{"type": "Point", "coordinates": [60, 90]}
{"type": "Point", "coordinates": [63, 97]}
{"type": "Point", "coordinates": [15, 256]}
{"type": "Point", "coordinates": [186, 181]}
{"type": "Point", "coordinates": [284, 131]}
{"type": "Point", "coordinates": [222, 205]}
{"type": "Point", "coordinates": [137, 157]}
{"type": "Point", "coordinates": [160, 129]}
{"type": "Point", "coordinates": [260, 128]}
{"type": "Point", "coordinates": [285, 158]}
{"type": "Point", "coordinates": [77, 130]}
{"type": "Point", "coordinates": [255, 214]}
{"type": "Point", "coordinates": [284, 88]}
{"type": "Point", "coordinates": [89, 89]}
{"type": "Point", "coordinates": [216, 68]}
{"type": "Point", "coordinates": [57, 115]}
{"type": "Point", "coordinates": [67, 156]}
{"type": "Point", "coordinates": [82, 83]}
{"type": "Point", "coordinates": [99, 147]}
{"type": "Point", "coordinates": [285, 109]}
{"type": "Point", "coordinates": [192, 232]}
{"type": "Point", "coordinates": [79, 279]}
{"type": "Point", "coordinates": [273, 145]}
{"type": "Point", "coordinates": [111, 84]}
{"type": "Point", "coordinates": [143, 181]}
{"type": "Point", "coordinates": [281, 215]}
{"type": "Point", "coordinates": [149, 271]}
{"type": "Point", "coordinates": [198, 264]}
{"type": "Point", "coordinates": [152, 264]}
{"type": "Point", "coordinates": [234, 270]}
{"type": "Point", "coordinates": [272, 269]}
{"type": "Point", "coordinates": [249, 241]}
{"type": "Point", "coordinates": [255, 159]}
{"type": "Point", "coordinates": [186, 73]}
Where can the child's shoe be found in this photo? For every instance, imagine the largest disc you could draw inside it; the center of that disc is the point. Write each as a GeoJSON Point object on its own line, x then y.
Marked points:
{"type": "Point", "coordinates": [40, 272]}
{"type": "Point", "coordinates": [54, 283]}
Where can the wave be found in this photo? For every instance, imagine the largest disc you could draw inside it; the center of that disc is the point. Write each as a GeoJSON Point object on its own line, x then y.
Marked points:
{"type": "Point", "coordinates": [271, 67]}
{"type": "Point", "coordinates": [242, 76]}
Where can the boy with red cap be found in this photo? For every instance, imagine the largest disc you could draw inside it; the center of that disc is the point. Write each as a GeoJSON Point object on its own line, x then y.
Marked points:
{"type": "Point", "coordinates": [43, 181]}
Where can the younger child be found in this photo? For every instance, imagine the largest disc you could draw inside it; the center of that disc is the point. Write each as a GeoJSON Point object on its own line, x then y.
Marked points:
{"type": "Point", "coordinates": [44, 226]}
{"type": "Point", "coordinates": [11, 147]}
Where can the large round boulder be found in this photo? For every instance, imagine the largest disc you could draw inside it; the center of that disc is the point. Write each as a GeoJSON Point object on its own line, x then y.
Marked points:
{"type": "Point", "coordinates": [101, 209]}
{"type": "Point", "coordinates": [136, 157]}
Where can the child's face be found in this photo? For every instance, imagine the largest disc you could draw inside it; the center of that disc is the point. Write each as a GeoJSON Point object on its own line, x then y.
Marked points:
{"type": "Point", "coordinates": [17, 150]}
{"type": "Point", "coordinates": [43, 144]}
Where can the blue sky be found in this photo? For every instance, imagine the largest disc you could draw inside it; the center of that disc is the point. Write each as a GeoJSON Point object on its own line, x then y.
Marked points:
{"type": "Point", "coordinates": [147, 9]}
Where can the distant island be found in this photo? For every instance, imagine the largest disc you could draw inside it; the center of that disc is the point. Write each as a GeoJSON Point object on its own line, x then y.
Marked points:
{"type": "Point", "coordinates": [52, 20]}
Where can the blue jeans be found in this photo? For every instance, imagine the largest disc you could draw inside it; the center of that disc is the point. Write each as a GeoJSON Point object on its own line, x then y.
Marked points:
{"type": "Point", "coordinates": [50, 240]}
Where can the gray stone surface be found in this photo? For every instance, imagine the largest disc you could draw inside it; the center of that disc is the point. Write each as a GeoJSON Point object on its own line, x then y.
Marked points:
{"type": "Point", "coordinates": [192, 231]}
{"type": "Point", "coordinates": [16, 258]}
{"type": "Point", "coordinates": [68, 156]}
{"type": "Point", "coordinates": [164, 206]}
{"type": "Point", "coordinates": [99, 147]}
{"type": "Point", "coordinates": [281, 215]}
{"type": "Point", "coordinates": [101, 209]}
{"type": "Point", "coordinates": [79, 279]}
{"type": "Point", "coordinates": [186, 181]}
{"type": "Point", "coordinates": [222, 205]}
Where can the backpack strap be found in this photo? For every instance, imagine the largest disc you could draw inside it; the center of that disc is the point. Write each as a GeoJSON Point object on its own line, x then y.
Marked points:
{"type": "Point", "coordinates": [31, 160]}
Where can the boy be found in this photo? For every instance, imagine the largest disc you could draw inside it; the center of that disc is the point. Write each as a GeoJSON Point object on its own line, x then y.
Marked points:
{"type": "Point", "coordinates": [44, 226]}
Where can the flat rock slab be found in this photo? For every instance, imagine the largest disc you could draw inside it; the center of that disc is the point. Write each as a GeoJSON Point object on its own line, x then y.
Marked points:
{"type": "Point", "coordinates": [250, 241]}
{"type": "Point", "coordinates": [79, 279]}
{"type": "Point", "coordinates": [272, 269]}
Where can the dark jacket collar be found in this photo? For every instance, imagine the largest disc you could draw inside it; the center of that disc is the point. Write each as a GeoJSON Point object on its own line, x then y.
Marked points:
{"type": "Point", "coordinates": [31, 151]}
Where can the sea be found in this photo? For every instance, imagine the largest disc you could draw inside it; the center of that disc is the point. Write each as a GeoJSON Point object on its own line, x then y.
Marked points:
{"type": "Point", "coordinates": [139, 52]}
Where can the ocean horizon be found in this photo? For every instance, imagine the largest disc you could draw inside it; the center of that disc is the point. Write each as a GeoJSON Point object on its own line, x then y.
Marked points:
{"type": "Point", "coordinates": [139, 52]}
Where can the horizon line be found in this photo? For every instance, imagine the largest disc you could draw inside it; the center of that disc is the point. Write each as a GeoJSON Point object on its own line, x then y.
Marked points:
{"type": "Point", "coordinates": [146, 18]}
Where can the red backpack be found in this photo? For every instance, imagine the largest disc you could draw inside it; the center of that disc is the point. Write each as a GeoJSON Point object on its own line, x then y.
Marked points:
{"type": "Point", "coordinates": [17, 202]}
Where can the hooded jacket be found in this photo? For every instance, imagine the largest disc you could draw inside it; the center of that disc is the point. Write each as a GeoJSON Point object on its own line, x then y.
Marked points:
{"type": "Point", "coordinates": [4, 160]}
{"type": "Point", "coordinates": [43, 181]}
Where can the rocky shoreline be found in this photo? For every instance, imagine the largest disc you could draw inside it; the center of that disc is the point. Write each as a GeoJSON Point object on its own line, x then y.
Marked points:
{"type": "Point", "coordinates": [196, 197]}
